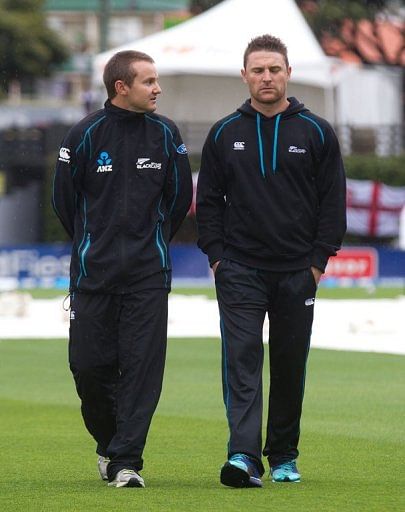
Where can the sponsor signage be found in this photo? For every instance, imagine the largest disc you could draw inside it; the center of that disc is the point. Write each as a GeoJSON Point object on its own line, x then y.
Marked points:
{"type": "Point", "coordinates": [47, 265]}
{"type": "Point", "coordinates": [356, 263]}
{"type": "Point", "coordinates": [34, 265]}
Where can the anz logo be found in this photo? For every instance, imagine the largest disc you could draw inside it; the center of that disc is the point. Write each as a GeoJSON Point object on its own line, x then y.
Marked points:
{"type": "Point", "coordinates": [104, 162]}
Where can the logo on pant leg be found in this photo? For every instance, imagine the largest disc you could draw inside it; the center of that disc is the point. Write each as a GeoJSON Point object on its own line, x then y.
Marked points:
{"type": "Point", "coordinates": [310, 302]}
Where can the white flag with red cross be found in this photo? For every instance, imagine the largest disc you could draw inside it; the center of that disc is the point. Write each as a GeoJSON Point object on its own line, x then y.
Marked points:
{"type": "Point", "coordinates": [373, 209]}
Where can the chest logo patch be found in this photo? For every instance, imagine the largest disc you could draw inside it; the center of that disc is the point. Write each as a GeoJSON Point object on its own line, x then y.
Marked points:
{"type": "Point", "coordinates": [182, 150]}
{"type": "Point", "coordinates": [64, 155]}
{"type": "Point", "coordinates": [105, 162]}
{"type": "Point", "coordinates": [294, 149]}
{"type": "Point", "coordinates": [239, 146]}
{"type": "Point", "coordinates": [145, 163]}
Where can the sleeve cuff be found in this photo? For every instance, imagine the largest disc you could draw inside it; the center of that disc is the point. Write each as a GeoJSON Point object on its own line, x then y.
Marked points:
{"type": "Point", "coordinates": [320, 259]}
{"type": "Point", "coordinates": [215, 252]}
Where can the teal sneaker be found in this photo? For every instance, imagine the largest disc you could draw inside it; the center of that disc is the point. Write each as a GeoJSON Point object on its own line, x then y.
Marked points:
{"type": "Point", "coordinates": [286, 472]}
{"type": "Point", "coordinates": [240, 471]}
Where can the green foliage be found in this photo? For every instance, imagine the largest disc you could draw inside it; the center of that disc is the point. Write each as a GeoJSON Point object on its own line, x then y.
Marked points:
{"type": "Point", "coordinates": [28, 47]}
{"type": "Point", "coordinates": [388, 170]}
{"type": "Point", "coordinates": [25, 6]}
{"type": "Point", "coordinates": [330, 14]}
{"type": "Point", "coordinates": [198, 6]}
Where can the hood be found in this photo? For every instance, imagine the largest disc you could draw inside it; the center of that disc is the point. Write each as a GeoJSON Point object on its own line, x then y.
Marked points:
{"type": "Point", "coordinates": [295, 108]}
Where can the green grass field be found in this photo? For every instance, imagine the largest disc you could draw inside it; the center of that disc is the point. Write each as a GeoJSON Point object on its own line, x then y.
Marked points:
{"type": "Point", "coordinates": [352, 442]}
{"type": "Point", "coordinates": [323, 293]}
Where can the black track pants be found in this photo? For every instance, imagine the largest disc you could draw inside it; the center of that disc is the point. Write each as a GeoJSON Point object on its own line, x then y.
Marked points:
{"type": "Point", "coordinates": [117, 353]}
{"type": "Point", "coordinates": [245, 295]}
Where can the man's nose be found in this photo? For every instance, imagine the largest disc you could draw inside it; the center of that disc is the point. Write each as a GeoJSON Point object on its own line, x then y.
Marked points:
{"type": "Point", "coordinates": [266, 75]}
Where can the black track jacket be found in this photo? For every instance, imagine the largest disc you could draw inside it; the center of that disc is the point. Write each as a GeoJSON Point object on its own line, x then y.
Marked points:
{"type": "Point", "coordinates": [271, 191]}
{"type": "Point", "coordinates": [122, 187]}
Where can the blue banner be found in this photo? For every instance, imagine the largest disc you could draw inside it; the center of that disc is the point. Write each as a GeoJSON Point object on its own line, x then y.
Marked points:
{"type": "Point", "coordinates": [47, 265]}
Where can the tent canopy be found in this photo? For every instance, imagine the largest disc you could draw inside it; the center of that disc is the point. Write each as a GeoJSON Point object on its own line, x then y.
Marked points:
{"type": "Point", "coordinates": [213, 42]}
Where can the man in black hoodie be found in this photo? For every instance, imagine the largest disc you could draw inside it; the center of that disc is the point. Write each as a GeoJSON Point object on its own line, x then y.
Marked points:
{"type": "Point", "coordinates": [122, 188]}
{"type": "Point", "coordinates": [270, 212]}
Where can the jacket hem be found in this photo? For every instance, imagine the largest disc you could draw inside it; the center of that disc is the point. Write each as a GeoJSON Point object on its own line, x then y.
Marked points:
{"type": "Point", "coordinates": [274, 264]}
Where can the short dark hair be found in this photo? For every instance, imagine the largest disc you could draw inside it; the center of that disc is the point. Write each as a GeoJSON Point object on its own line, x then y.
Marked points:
{"type": "Point", "coordinates": [267, 43]}
{"type": "Point", "coordinates": [119, 68]}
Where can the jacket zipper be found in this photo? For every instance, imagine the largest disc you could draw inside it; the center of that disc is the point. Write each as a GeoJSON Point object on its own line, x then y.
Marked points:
{"type": "Point", "coordinates": [123, 246]}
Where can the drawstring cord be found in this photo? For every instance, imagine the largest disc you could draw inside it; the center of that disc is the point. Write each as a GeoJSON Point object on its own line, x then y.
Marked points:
{"type": "Point", "coordinates": [66, 308]}
{"type": "Point", "coordinates": [260, 144]}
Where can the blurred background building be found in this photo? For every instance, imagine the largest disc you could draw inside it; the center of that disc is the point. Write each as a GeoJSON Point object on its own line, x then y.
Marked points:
{"type": "Point", "coordinates": [89, 27]}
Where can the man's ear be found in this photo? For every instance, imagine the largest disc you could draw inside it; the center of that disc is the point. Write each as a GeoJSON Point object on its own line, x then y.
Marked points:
{"type": "Point", "coordinates": [121, 88]}
{"type": "Point", "coordinates": [243, 74]}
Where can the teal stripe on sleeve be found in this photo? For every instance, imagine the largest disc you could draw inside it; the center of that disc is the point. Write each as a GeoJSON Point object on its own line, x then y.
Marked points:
{"type": "Point", "coordinates": [315, 124]}
{"type": "Point", "coordinates": [237, 116]}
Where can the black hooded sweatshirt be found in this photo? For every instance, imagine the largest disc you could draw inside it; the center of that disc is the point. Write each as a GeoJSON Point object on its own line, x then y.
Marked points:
{"type": "Point", "coordinates": [122, 187]}
{"type": "Point", "coordinates": [271, 190]}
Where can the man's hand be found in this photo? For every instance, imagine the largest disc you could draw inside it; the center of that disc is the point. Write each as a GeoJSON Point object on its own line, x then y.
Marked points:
{"type": "Point", "coordinates": [317, 274]}
{"type": "Point", "coordinates": [214, 266]}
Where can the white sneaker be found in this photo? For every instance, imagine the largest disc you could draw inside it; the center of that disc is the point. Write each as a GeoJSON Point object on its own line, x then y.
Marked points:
{"type": "Point", "coordinates": [127, 478]}
{"type": "Point", "coordinates": [102, 463]}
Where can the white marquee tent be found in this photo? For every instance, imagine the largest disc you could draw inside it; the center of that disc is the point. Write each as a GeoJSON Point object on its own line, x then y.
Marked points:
{"type": "Point", "coordinates": [211, 45]}
{"type": "Point", "coordinates": [199, 64]}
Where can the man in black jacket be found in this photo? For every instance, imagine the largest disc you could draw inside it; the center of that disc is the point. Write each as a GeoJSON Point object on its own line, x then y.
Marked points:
{"type": "Point", "coordinates": [270, 212]}
{"type": "Point", "coordinates": [122, 188]}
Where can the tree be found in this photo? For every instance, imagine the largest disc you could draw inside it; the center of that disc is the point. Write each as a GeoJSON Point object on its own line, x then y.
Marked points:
{"type": "Point", "coordinates": [198, 6]}
{"type": "Point", "coordinates": [29, 48]}
{"type": "Point", "coordinates": [328, 14]}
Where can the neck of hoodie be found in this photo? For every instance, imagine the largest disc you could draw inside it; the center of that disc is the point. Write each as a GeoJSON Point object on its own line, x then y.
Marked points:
{"type": "Point", "coordinates": [270, 109]}
{"type": "Point", "coordinates": [122, 113]}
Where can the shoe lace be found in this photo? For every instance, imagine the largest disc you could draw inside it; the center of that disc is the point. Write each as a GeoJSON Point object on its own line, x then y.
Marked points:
{"type": "Point", "coordinates": [289, 466]}
{"type": "Point", "coordinates": [239, 457]}
{"type": "Point", "coordinates": [128, 472]}
{"type": "Point", "coordinates": [251, 465]}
